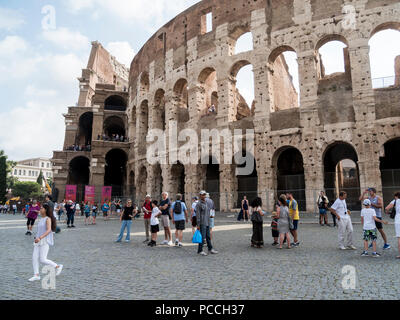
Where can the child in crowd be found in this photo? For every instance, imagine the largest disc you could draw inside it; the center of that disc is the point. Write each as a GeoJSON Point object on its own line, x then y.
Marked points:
{"type": "Point", "coordinates": [368, 218]}
{"type": "Point", "coordinates": [86, 210]}
{"type": "Point", "coordinates": [155, 227]}
{"type": "Point", "coordinates": [274, 228]}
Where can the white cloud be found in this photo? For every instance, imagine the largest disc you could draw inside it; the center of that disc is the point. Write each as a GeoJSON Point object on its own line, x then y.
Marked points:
{"type": "Point", "coordinates": [152, 16]}
{"type": "Point", "coordinates": [122, 51]}
{"type": "Point", "coordinates": [63, 68]}
{"type": "Point", "coordinates": [12, 45]}
{"type": "Point", "coordinates": [33, 91]}
{"type": "Point", "coordinates": [10, 19]}
{"type": "Point", "coordinates": [66, 39]}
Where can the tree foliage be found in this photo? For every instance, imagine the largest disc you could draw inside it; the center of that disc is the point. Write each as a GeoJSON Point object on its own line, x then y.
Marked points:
{"type": "Point", "coordinates": [3, 177]}
{"type": "Point", "coordinates": [27, 190]}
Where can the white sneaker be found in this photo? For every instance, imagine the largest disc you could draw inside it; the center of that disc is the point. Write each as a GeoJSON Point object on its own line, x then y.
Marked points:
{"type": "Point", "coordinates": [214, 251]}
{"type": "Point", "coordinates": [342, 248]}
{"type": "Point", "coordinates": [352, 247]}
{"type": "Point", "coordinates": [203, 253]}
{"type": "Point", "coordinates": [180, 244]}
{"type": "Point", "coordinates": [34, 278]}
{"type": "Point", "coordinates": [170, 244]}
{"type": "Point", "coordinates": [59, 269]}
{"type": "Point", "coordinates": [164, 242]}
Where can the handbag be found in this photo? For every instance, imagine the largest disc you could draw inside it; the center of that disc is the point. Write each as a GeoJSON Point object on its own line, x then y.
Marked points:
{"type": "Point", "coordinates": [393, 211]}
{"type": "Point", "coordinates": [256, 217]}
{"type": "Point", "coordinates": [197, 238]}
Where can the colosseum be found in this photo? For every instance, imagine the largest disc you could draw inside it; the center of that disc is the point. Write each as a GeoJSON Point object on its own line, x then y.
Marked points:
{"type": "Point", "coordinates": [302, 140]}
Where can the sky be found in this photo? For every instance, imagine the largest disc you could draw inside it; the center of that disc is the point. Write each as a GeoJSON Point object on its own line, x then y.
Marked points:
{"type": "Point", "coordinates": [45, 44]}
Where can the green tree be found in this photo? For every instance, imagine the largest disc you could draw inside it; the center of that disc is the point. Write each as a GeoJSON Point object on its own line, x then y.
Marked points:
{"type": "Point", "coordinates": [27, 190]}
{"type": "Point", "coordinates": [3, 177]}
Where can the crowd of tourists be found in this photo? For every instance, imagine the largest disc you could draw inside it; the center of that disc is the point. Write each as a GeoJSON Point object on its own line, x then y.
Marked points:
{"type": "Point", "coordinates": [76, 148]}
{"type": "Point", "coordinates": [113, 137]}
{"type": "Point", "coordinates": [166, 214]}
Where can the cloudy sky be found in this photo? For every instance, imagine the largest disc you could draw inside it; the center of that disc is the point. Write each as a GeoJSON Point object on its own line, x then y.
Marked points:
{"type": "Point", "coordinates": [41, 59]}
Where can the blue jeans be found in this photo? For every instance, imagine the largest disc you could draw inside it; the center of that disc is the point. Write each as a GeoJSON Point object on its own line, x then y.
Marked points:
{"type": "Point", "coordinates": [125, 224]}
{"type": "Point", "coordinates": [205, 234]}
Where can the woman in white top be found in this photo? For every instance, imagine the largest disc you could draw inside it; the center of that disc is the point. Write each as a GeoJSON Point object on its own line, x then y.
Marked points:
{"type": "Point", "coordinates": [44, 238]}
{"type": "Point", "coordinates": [396, 202]}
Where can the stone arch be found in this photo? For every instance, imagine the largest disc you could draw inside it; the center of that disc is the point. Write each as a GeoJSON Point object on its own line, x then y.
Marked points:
{"type": "Point", "coordinates": [181, 101]}
{"type": "Point", "coordinates": [333, 159]}
{"type": "Point", "coordinates": [114, 125]}
{"type": "Point", "coordinates": [246, 185]}
{"type": "Point", "coordinates": [157, 181]}
{"type": "Point", "coordinates": [288, 167]}
{"type": "Point", "coordinates": [141, 183]}
{"type": "Point", "coordinates": [281, 80]}
{"type": "Point", "coordinates": [79, 175]}
{"type": "Point", "coordinates": [390, 168]}
{"type": "Point", "coordinates": [131, 185]}
{"type": "Point", "coordinates": [159, 110]}
{"type": "Point", "coordinates": [84, 134]}
{"type": "Point", "coordinates": [208, 84]}
{"type": "Point", "coordinates": [144, 84]}
{"type": "Point", "coordinates": [242, 108]}
{"type": "Point", "coordinates": [177, 177]}
{"type": "Point", "coordinates": [394, 25]}
{"type": "Point", "coordinates": [325, 40]}
{"type": "Point", "coordinates": [115, 171]}
{"type": "Point", "coordinates": [115, 103]}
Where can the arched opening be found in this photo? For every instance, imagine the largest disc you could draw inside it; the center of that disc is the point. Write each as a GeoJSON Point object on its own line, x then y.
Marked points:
{"type": "Point", "coordinates": [390, 169]}
{"type": "Point", "coordinates": [243, 80]}
{"type": "Point", "coordinates": [115, 103]}
{"type": "Point", "coordinates": [132, 124]}
{"type": "Point", "coordinates": [181, 100]}
{"type": "Point", "coordinates": [115, 171]}
{"type": "Point", "coordinates": [283, 71]}
{"type": "Point", "coordinates": [84, 136]}
{"type": "Point", "coordinates": [178, 179]}
{"type": "Point", "coordinates": [244, 43]}
{"type": "Point", "coordinates": [247, 185]}
{"type": "Point", "coordinates": [332, 56]}
{"type": "Point", "coordinates": [114, 127]}
{"type": "Point", "coordinates": [143, 125]}
{"type": "Point", "coordinates": [212, 181]}
{"type": "Point", "coordinates": [157, 182]}
{"type": "Point", "coordinates": [159, 110]}
{"type": "Point", "coordinates": [208, 84]}
{"type": "Point", "coordinates": [79, 174]}
{"type": "Point", "coordinates": [290, 175]}
{"type": "Point", "coordinates": [341, 173]}
{"type": "Point", "coordinates": [385, 56]}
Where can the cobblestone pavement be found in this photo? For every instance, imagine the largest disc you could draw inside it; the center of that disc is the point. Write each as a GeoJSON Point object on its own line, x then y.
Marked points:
{"type": "Point", "coordinates": [95, 267]}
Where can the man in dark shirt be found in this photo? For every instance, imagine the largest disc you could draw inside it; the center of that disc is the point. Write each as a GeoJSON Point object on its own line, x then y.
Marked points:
{"type": "Point", "coordinates": [70, 209]}
{"type": "Point", "coordinates": [165, 206]}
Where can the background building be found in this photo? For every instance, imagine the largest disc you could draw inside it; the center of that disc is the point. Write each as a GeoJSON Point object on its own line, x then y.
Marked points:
{"type": "Point", "coordinates": [29, 170]}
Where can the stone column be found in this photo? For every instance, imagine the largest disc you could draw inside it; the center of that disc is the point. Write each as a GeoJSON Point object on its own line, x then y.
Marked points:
{"type": "Point", "coordinates": [314, 182]}
{"type": "Point", "coordinates": [227, 187]}
{"type": "Point", "coordinates": [97, 171]}
{"type": "Point", "coordinates": [226, 101]}
{"type": "Point", "coordinates": [98, 122]}
{"type": "Point", "coordinates": [369, 167]}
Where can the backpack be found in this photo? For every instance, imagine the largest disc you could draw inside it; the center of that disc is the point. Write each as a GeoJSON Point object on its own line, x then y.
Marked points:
{"type": "Point", "coordinates": [178, 207]}
{"type": "Point", "coordinates": [393, 211]}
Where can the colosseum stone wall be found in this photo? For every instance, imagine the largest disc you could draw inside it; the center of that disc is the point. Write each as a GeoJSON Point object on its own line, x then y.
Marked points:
{"type": "Point", "coordinates": [182, 70]}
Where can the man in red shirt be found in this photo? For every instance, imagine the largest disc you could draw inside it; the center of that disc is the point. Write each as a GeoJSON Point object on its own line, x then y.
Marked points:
{"type": "Point", "coordinates": [147, 208]}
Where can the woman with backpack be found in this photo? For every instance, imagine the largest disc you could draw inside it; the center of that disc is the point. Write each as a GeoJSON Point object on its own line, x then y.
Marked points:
{"type": "Point", "coordinates": [322, 203]}
{"type": "Point", "coordinates": [394, 209]}
{"type": "Point", "coordinates": [44, 239]}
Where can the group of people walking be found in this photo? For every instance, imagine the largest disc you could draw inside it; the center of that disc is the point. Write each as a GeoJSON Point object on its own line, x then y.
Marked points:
{"type": "Point", "coordinates": [168, 213]}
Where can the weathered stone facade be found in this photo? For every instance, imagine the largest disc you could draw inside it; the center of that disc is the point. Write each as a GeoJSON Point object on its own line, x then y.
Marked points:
{"type": "Point", "coordinates": [181, 70]}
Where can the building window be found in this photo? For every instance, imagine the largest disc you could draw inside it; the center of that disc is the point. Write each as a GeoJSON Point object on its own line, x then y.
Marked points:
{"type": "Point", "coordinates": [19, 172]}
{"type": "Point", "coordinates": [15, 172]}
{"type": "Point", "coordinates": [24, 173]}
{"type": "Point", "coordinates": [48, 165]}
{"type": "Point", "coordinates": [206, 22]}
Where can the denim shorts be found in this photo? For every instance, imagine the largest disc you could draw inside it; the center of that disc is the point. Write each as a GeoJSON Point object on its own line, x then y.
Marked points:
{"type": "Point", "coordinates": [212, 224]}
{"type": "Point", "coordinates": [295, 225]}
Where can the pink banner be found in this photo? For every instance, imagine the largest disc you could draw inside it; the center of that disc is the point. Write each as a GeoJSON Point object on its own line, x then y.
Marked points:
{"type": "Point", "coordinates": [106, 194]}
{"type": "Point", "coordinates": [70, 192]}
{"type": "Point", "coordinates": [89, 194]}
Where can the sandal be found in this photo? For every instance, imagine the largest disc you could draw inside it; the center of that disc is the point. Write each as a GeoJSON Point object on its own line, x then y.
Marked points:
{"type": "Point", "coordinates": [398, 257]}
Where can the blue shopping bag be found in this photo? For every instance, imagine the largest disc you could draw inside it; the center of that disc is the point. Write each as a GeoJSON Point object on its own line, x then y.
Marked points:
{"type": "Point", "coordinates": [197, 238]}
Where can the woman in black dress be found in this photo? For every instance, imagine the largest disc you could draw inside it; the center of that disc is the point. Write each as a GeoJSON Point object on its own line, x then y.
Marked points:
{"type": "Point", "coordinates": [257, 240]}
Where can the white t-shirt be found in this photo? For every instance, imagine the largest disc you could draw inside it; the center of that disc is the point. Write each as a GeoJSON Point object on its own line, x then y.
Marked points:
{"type": "Point", "coordinates": [369, 222]}
{"type": "Point", "coordinates": [78, 207]}
{"type": "Point", "coordinates": [340, 207]}
{"type": "Point", "coordinates": [397, 218]}
{"type": "Point", "coordinates": [194, 204]}
{"type": "Point", "coordinates": [154, 220]}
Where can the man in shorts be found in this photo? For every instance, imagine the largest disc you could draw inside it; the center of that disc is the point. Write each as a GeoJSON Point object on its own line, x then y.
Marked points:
{"type": "Point", "coordinates": [147, 209]}
{"type": "Point", "coordinates": [179, 217]}
{"type": "Point", "coordinates": [377, 205]}
{"type": "Point", "coordinates": [294, 215]}
{"type": "Point", "coordinates": [165, 206]}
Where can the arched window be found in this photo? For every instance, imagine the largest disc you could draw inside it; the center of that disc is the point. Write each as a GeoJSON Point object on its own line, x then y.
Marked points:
{"type": "Point", "coordinates": [332, 56]}
{"type": "Point", "coordinates": [244, 43]}
{"type": "Point", "coordinates": [385, 56]}
{"type": "Point", "coordinates": [243, 79]}
{"type": "Point", "coordinates": [283, 79]}
{"type": "Point", "coordinates": [209, 85]}
{"type": "Point", "coordinates": [115, 103]}
{"type": "Point", "coordinates": [181, 100]}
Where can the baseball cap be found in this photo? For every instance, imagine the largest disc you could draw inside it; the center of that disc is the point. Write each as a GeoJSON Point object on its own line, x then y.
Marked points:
{"type": "Point", "coordinates": [148, 196]}
{"type": "Point", "coordinates": [202, 192]}
{"type": "Point", "coordinates": [367, 202]}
